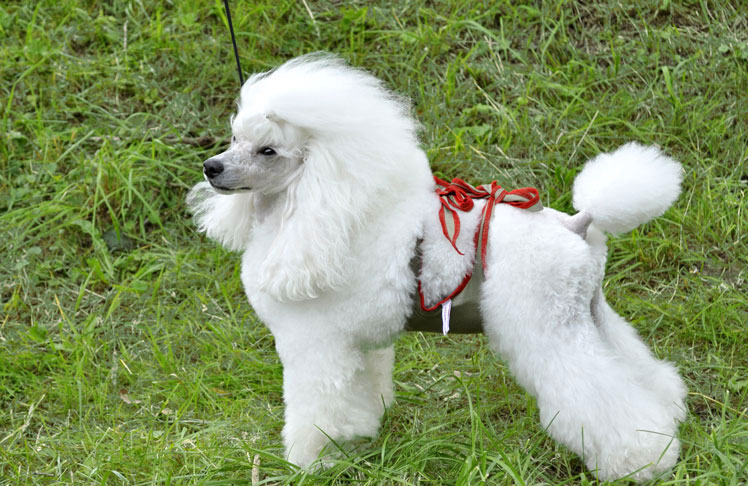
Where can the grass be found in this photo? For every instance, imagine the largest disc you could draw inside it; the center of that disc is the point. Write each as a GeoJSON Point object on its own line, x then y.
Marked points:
{"type": "Point", "coordinates": [128, 353]}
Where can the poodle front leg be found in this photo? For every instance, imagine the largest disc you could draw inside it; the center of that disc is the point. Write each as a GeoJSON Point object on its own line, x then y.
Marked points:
{"type": "Point", "coordinates": [332, 392]}
{"type": "Point", "coordinates": [378, 372]}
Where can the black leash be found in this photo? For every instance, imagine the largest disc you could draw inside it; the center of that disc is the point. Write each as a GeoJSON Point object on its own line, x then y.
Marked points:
{"type": "Point", "coordinates": [233, 41]}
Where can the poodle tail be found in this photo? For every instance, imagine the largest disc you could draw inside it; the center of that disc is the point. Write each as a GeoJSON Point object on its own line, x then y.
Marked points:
{"type": "Point", "coordinates": [623, 189]}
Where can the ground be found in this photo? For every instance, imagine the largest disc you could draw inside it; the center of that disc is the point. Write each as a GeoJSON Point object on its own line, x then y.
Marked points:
{"type": "Point", "coordinates": [128, 353]}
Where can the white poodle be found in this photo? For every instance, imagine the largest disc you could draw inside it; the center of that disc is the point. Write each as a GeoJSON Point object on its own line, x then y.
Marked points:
{"type": "Point", "coordinates": [331, 201]}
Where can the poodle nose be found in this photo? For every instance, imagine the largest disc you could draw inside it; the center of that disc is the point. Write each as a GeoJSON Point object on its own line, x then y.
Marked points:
{"type": "Point", "coordinates": [212, 167]}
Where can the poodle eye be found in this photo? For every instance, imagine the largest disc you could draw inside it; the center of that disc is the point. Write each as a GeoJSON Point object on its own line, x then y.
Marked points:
{"type": "Point", "coordinates": [233, 139]}
{"type": "Point", "coordinates": [266, 151]}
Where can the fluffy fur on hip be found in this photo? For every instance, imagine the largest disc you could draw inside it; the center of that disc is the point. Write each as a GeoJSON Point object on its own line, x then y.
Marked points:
{"type": "Point", "coordinates": [328, 196]}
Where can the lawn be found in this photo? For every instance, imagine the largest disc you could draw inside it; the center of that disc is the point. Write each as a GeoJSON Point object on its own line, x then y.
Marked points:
{"type": "Point", "coordinates": [128, 352]}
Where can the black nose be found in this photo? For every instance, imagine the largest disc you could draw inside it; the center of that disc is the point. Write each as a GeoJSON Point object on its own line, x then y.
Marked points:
{"type": "Point", "coordinates": [212, 167]}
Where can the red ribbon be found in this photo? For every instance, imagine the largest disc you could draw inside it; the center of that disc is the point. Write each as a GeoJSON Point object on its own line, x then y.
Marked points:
{"type": "Point", "coordinates": [458, 195]}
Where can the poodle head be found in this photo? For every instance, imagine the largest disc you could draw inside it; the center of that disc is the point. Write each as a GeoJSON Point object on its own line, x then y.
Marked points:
{"type": "Point", "coordinates": [265, 156]}
{"type": "Point", "coordinates": [328, 141]}
{"type": "Point", "coordinates": [312, 116]}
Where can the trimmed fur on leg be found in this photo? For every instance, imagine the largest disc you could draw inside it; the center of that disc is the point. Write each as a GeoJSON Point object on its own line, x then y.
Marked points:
{"type": "Point", "coordinates": [590, 400]}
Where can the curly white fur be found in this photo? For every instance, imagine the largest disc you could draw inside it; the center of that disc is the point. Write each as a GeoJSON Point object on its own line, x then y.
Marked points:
{"type": "Point", "coordinates": [642, 177]}
{"type": "Point", "coordinates": [325, 191]}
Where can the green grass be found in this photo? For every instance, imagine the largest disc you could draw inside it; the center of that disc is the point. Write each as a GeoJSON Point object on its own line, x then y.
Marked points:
{"type": "Point", "coordinates": [138, 361]}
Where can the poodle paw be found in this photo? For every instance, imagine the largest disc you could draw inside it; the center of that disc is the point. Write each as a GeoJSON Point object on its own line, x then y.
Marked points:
{"type": "Point", "coordinates": [653, 455]}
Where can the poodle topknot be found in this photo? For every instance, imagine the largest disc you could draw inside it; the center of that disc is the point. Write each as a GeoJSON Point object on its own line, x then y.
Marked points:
{"type": "Point", "coordinates": [328, 196]}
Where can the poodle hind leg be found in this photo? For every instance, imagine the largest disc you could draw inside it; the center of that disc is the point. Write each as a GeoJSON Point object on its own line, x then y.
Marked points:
{"type": "Point", "coordinates": [660, 377]}
{"type": "Point", "coordinates": [588, 398]}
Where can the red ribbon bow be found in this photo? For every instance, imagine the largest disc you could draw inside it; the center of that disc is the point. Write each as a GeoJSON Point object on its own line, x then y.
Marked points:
{"type": "Point", "coordinates": [459, 195]}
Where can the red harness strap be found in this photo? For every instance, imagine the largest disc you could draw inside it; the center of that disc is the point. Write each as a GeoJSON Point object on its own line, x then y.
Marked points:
{"type": "Point", "coordinates": [458, 196]}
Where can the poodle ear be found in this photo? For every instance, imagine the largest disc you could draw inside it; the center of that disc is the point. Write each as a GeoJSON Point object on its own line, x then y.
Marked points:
{"type": "Point", "coordinates": [227, 219]}
{"type": "Point", "coordinates": [312, 251]}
